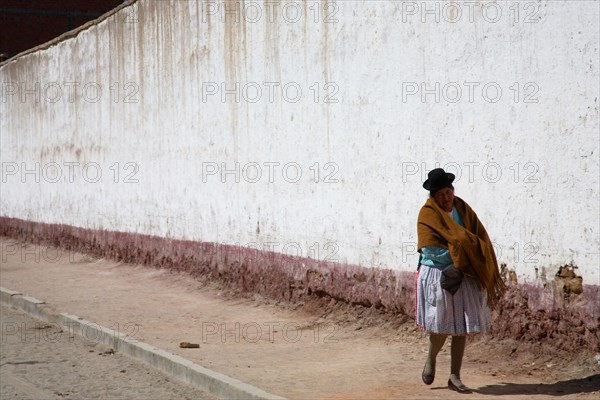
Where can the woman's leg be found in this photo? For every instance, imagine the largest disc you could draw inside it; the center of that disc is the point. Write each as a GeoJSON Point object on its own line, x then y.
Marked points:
{"type": "Point", "coordinates": [457, 352]}
{"type": "Point", "coordinates": [436, 342]}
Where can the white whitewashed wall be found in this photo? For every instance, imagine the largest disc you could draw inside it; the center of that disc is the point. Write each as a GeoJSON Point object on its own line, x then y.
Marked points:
{"type": "Point", "coordinates": [331, 114]}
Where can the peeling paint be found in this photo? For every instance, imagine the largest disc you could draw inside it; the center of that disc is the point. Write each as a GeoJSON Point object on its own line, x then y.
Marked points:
{"type": "Point", "coordinates": [370, 135]}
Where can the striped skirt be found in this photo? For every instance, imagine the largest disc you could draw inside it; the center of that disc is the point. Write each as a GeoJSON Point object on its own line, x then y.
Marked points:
{"type": "Point", "coordinates": [438, 311]}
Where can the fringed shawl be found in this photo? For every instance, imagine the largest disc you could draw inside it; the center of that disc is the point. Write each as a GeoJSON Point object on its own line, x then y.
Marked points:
{"type": "Point", "coordinates": [470, 247]}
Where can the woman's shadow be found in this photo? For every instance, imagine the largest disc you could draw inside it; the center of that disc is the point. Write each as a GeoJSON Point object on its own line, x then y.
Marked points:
{"type": "Point", "coordinates": [561, 388]}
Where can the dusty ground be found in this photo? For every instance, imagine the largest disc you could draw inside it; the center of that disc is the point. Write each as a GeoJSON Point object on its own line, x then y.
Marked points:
{"type": "Point", "coordinates": [321, 349]}
{"type": "Point", "coordinates": [42, 364]}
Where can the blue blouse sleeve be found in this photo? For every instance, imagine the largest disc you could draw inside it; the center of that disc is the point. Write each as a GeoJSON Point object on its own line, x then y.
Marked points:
{"type": "Point", "coordinates": [435, 256]}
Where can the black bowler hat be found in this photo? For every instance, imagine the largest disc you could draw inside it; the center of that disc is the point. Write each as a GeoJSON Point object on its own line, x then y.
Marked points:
{"type": "Point", "coordinates": [438, 179]}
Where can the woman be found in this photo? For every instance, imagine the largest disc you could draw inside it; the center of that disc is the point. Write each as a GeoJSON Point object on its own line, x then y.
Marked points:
{"type": "Point", "coordinates": [453, 240]}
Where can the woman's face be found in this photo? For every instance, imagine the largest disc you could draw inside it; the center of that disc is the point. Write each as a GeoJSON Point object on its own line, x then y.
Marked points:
{"type": "Point", "coordinates": [444, 198]}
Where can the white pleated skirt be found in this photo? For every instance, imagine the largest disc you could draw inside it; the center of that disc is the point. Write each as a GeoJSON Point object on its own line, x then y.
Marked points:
{"type": "Point", "coordinates": [438, 311]}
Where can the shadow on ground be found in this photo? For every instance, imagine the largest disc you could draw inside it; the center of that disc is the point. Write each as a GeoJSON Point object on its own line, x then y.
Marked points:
{"type": "Point", "coordinates": [561, 388]}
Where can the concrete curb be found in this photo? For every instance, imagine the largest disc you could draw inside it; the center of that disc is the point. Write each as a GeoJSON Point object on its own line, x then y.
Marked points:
{"type": "Point", "coordinates": [178, 367]}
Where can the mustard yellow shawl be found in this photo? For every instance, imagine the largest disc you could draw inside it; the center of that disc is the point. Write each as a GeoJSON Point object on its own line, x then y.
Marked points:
{"type": "Point", "coordinates": [470, 247]}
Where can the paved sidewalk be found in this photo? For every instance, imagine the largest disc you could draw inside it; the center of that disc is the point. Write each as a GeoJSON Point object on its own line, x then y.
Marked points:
{"type": "Point", "coordinates": [41, 362]}
{"type": "Point", "coordinates": [283, 352]}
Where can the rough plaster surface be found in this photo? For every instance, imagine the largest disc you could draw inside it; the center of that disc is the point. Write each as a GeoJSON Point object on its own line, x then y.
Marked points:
{"type": "Point", "coordinates": [269, 273]}
{"type": "Point", "coordinates": [529, 313]}
{"type": "Point", "coordinates": [139, 80]}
